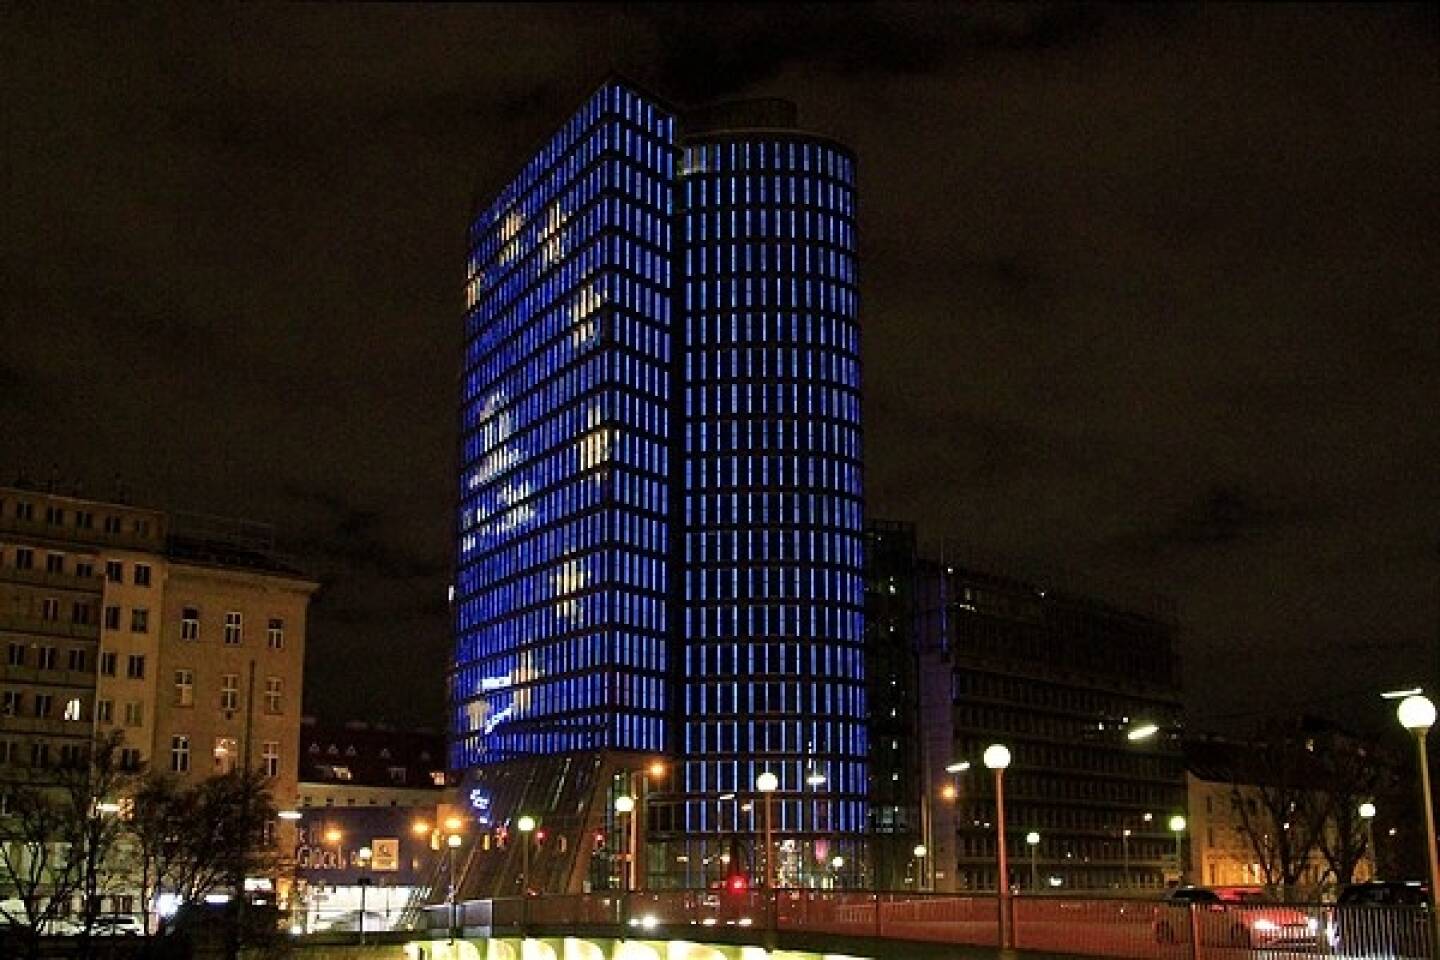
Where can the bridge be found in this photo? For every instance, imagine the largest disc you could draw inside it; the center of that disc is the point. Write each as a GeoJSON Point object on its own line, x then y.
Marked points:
{"type": "Point", "coordinates": [754, 925]}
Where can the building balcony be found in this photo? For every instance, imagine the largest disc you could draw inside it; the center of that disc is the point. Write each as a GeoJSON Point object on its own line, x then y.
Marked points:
{"type": "Point", "coordinates": [59, 581]}
{"type": "Point", "coordinates": [46, 726]}
{"type": "Point", "coordinates": [36, 626]}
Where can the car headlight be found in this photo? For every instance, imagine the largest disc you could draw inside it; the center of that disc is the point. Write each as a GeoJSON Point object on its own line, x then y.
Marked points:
{"type": "Point", "coordinates": [1264, 924]}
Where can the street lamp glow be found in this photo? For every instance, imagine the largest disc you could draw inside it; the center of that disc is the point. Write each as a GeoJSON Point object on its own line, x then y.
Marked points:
{"type": "Point", "coordinates": [767, 782]}
{"type": "Point", "coordinates": [1143, 732]}
{"type": "Point", "coordinates": [1416, 713]}
{"type": "Point", "coordinates": [364, 854]}
{"type": "Point", "coordinates": [959, 766]}
{"type": "Point", "coordinates": [1401, 694]}
{"type": "Point", "coordinates": [453, 841]}
{"type": "Point", "coordinates": [997, 756]}
{"type": "Point", "coordinates": [837, 862]}
{"type": "Point", "coordinates": [333, 836]}
{"type": "Point", "coordinates": [1367, 810]}
{"type": "Point", "coordinates": [1177, 823]}
{"type": "Point", "coordinates": [919, 851]}
{"type": "Point", "coordinates": [1032, 838]}
{"type": "Point", "coordinates": [624, 804]}
{"type": "Point", "coordinates": [453, 823]}
{"type": "Point", "coordinates": [525, 824]}
{"type": "Point", "coordinates": [656, 769]}
{"type": "Point", "coordinates": [420, 828]}
{"type": "Point", "coordinates": [289, 814]}
{"type": "Point", "coordinates": [108, 806]}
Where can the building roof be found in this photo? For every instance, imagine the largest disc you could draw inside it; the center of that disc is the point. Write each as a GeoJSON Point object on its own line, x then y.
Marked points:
{"type": "Point", "coordinates": [371, 755]}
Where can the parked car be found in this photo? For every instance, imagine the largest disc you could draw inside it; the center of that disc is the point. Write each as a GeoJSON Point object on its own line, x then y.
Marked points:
{"type": "Point", "coordinates": [1382, 916]}
{"type": "Point", "coordinates": [117, 925]}
{"type": "Point", "coordinates": [1237, 917]}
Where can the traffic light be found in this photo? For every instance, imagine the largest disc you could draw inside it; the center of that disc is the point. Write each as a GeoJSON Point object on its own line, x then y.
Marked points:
{"type": "Point", "coordinates": [737, 884]}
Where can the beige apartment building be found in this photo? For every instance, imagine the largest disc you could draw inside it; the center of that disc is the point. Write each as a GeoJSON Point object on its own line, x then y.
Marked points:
{"type": "Point", "coordinates": [184, 633]}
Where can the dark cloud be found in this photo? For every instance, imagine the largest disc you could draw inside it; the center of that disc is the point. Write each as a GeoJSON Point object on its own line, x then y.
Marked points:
{"type": "Point", "coordinates": [1148, 289]}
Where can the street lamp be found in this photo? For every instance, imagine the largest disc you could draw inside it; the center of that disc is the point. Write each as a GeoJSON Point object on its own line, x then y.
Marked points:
{"type": "Point", "coordinates": [1367, 815]}
{"type": "Point", "coordinates": [1033, 840]}
{"type": "Point", "coordinates": [1177, 826]}
{"type": "Point", "coordinates": [767, 783]}
{"type": "Point", "coordinates": [997, 758]}
{"type": "Point", "coordinates": [625, 806]}
{"type": "Point", "coordinates": [1125, 854]}
{"type": "Point", "coordinates": [1417, 714]}
{"type": "Point", "coordinates": [526, 825]}
{"type": "Point", "coordinates": [452, 843]}
{"type": "Point", "coordinates": [363, 856]}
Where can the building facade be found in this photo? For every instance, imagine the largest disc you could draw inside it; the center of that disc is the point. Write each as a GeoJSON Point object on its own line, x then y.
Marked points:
{"type": "Point", "coordinates": [659, 531]}
{"type": "Point", "coordinates": [1086, 697]}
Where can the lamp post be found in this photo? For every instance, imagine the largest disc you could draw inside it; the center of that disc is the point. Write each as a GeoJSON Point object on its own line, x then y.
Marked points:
{"type": "Point", "coordinates": [1033, 840]}
{"type": "Point", "coordinates": [1125, 854]}
{"type": "Point", "coordinates": [1177, 826]}
{"type": "Point", "coordinates": [997, 758]}
{"type": "Point", "coordinates": [625, 806]}
{"type": "Point", "coordinates": [1367, 816]}
{"type": "Point", "coordinates": [767, 783]}
{"type": "Point", "coordinates": [526, 826]}
{"type": "Point", "coordinates": [363, 856]}
{"type": "Point", "coordinates": [452, 843]}
{"type": "Point", "coordinates": [1417, 714]}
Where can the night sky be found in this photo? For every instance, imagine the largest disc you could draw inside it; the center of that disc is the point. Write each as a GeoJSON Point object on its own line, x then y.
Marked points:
{"type": "Point", "coordinates": [1149, 293]}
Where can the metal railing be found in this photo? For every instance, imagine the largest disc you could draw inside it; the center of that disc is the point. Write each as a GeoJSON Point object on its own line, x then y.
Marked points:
{"type": "Point", "coordinates": [1058, 925]}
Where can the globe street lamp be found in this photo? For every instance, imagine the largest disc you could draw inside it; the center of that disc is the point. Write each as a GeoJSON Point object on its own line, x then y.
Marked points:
{"type": "Point", "coordinates": [1417, 714]}
{"type": "Point", "coordinates": [526, 826]}
{"type": "Point", "coordinates": [363, 855]}
{"type": "Point", "coordinates": [1177, 826]}
{"type": "Point", "coordinates": [452, 843]}
{"type": "Point", "coordinates": [1367, 816]}
{"type": "Point", "coordinates": [997, 758]}
{"type": "Point", "coordinates": [625, 806]}
{"type": "Point", "coordinates": [767, 783]}
{"type": "Point", "coordinates": [1033, 839]}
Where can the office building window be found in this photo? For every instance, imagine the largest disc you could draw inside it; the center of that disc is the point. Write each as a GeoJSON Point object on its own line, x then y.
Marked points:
{"type": "Point", "coordinates": [230, 691]}
{"type": "Point", "coordinates": [24, 558]}
{"type": "Point", "coordinates": [142, 574]}
{"type": "Point", "coordinates": [273, 688]}
{"type": "Point", "coordinates": [112, 618]}
{"type": "Point", "coordinates": [184, 688]}
{"type": "Point", "coordinates": [139, 620]}
{"type": "Point", "coordinates": [114, 571]}
{"type": "Point", "coordinates": [16, 654]}
{"type": "Point", "coordinates": [104, 711]}
{"type": "Point", "coordinates": [135, 666]}
{"type": "Point", "coordinates": [275, 634]}
{"type": "Point", "coordinates": [134, 713]}
{"type": "Point", "coordinates": [180, 753]}
{"type": "Point", "coordinates": [232, 628]}
{"type": "Point", "coordinates": [270, 756]}
{"type": "Point", "coordinates": [190, 623]}
{"type": "Point", "coordinates": [77, 660]}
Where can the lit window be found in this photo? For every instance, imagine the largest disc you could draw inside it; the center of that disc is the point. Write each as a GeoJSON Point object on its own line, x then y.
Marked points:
{"type": "Point", "coordinates": [180, 753]}
{"type": "Point", "coordinates": [227, 754]}
{"type": "Point", "coordinates": [73, 709]}
{"type": "Point", "coordinates": [184, 688]}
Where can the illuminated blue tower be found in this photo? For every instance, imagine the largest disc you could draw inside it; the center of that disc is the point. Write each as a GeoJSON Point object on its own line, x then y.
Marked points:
{"type": "Point", "coordinates": [660, 512]}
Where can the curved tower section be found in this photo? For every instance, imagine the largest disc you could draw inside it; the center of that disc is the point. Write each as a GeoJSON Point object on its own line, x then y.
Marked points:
{"type": "Point", "coordinates": [769, 421]}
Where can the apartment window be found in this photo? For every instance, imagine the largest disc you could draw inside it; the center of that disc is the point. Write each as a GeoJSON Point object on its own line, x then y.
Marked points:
{"type": "Point", "coordinates": [270, 757]}
{"type": "Point", "coordinates": [190, 623]}
{"type": "Point", "coordinates": [275, 634]}
{"type": "Point", "coordinates": [84, 520]}
{"type": "Point", "coordinates": [24, 558]}
{"type": "Point", "coordinates": [139, 620]}
{"type": "Point", "coordinates": [129, 758]}
{"type": "Point", "coordinates": [135, 666]}
{"type": "Point", "coordinates": [273, 689]}
{"type": "Point", "coordinates": [104, 711]}
{"type": "Point", "coordinates": [142, 574]}
{"type": "Point", "coordinates": [107, 663]}
{"type": "Point", "coordinates": [10, 703]}
{"type": "Point", "coordinates": [24, 510]}
{"type": "Point", "coordinates": [45, 658]}
{"type": "Point", "coordinates": [134, 713]}
{"type": "Point", "coordinates": [227, 754]}
{"type": "Point", "coordinates": [54, 563]}
{"type": "Point", "coordinates": [112, 618]}
{"type": "Point", "coordinates": [50, 609]}
{"type": "Point", "coordinates": [180, 753]}
{"type": "Point", "coordinates": [114, 571]}
{"type": "Point", "coordinates": [232, 627]}
{"type": "Point", "coordinates": [73, 709]}
{"type": "Point", "coordinates": [397, 775]}
{"type": "Point", "coordinates": [77, 660]}
{"type": "Point", "coordinates": [84, 569]}
{"type": "Point", "coordinates": [80, 612]}
{"type": "Point", "coordinates": [8, 751]}
{"type": "Point", "coordinates": [16, 655]}
{"type": "Point", "coordinates": [184, 688]}
{"type": "Point", "coordinates": [39, 754]}
{"type": "Point", "coordinates": [43, 703]}
{"type": "Point", "coordinates": [230, 691]}
{"type": "Point", "coordinates": [71, 754]}
{"type": "Point", "coordinates": [142, 528]}
{"type": "Point", "coordinates": [112, 524]}
{"type": "Point", "coordinates": [54, 516]}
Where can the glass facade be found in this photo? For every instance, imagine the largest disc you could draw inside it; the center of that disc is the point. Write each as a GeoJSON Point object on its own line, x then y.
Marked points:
{"type": "Point", "coordinates": [564, 529]}
{"type": "Point", "coordinates": [660, 505]}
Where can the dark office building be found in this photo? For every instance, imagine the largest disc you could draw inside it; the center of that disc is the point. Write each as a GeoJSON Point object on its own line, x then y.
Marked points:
{"type": "Point", "coordinates": [659, 530]}
{"type": "Point", "coordinates": [1072, 687]}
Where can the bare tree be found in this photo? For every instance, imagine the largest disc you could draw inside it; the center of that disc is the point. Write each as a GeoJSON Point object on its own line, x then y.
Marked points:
{"type": "Point", "coordinates": [1282, 812]}
{"type": "Point", "coordinates": [1350, 775]}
